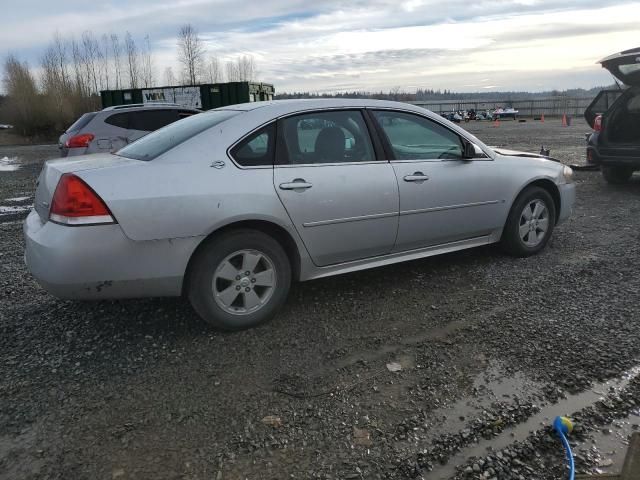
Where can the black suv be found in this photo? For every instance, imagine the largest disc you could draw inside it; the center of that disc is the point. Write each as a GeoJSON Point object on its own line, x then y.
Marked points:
{"type": "Point", "coordinates": [614, 116]}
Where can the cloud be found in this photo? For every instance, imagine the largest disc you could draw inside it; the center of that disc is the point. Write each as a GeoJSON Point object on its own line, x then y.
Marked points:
{"type": "Point", "coordinates": [364, 45]}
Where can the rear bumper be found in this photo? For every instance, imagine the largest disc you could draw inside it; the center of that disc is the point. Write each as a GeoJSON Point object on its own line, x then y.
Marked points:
{"type": "Point", "coordinates": [594, 157]}
{"type": "Point", "coordinates": [567, 200]}
{"type": "Point", "coordinates": [99, 262]}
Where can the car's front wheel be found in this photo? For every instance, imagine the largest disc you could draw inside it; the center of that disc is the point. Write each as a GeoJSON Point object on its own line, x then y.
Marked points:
{"type": "Point", "coordinates": [239, 279]}
{"type": "Point", "coordinates": [617, 175]}
{"type": "Point", "coordinates": [530, 223]}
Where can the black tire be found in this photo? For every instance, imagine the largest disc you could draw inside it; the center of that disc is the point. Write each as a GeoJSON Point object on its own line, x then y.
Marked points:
{"type": "Point", "coordinates": [617, 175]}
{"type": "Point", "coordinates": [209, 258]}
{"type": "Point", "coordinates": [511, 240]}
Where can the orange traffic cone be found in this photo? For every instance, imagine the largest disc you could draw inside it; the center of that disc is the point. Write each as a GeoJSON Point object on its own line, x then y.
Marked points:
{"type": "Point", "coordinates": [564, 119]}
{"type": "Point", "coordinates": [542, 118]}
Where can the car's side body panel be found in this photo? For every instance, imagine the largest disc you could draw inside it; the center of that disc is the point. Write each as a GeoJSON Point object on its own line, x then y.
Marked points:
{"type": "Point", "coordinates": [459, 200]}
{"type": "Point", "coordinates": [349, 212]}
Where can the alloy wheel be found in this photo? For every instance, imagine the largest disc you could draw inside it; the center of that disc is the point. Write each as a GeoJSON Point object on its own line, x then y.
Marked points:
{"type": "Point", "coordinates": [534, 223]}
{"type": "Point", "coordinates": [244, 282]}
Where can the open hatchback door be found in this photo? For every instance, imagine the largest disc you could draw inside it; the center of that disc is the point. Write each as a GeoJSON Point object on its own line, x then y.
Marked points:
{"type": "Point", "coordinates": [625, 66]}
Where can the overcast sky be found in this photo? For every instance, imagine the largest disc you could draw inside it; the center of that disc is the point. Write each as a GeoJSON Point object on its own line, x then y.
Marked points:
{"type": "Point", "coordinates": [330, 45]}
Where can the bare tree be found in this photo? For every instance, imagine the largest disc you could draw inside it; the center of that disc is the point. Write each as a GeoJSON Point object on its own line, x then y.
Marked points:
{"type": "Point", "coordinates": [147, 63]}
{"type": "Point", "coordinates": [90, 49]}
{"type": "Point", "coordinates": [104, 60]}
{"type": "Point", "coordinates": [233, 75]}
{"type": "Point", "coordinates": [62, 59]}
{"type": "Point", "coordinates": [242, 69]}
{"type": "Point", "coordinates": [78, 62]}
{"type": "Point", "coordinates": [395, 93]}
{"type": "Point", "coordinates": [214, 70]}
{"type": "Point", "coordinates": [246, 67]}
{"type": "Point", "coordinates": [169, 77]}
{"type": "Point", "coordinates": [132, 60]}
{"type": "Point", "coordinates": [116, 51]}
{"type": "Point", "coordinates": [51, 78]}
{"type": "Point", "coordinates": [191, 53]}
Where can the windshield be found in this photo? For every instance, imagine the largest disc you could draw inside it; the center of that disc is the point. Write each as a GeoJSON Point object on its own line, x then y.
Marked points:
{"type": "Point", "coordinates": [163, 140]}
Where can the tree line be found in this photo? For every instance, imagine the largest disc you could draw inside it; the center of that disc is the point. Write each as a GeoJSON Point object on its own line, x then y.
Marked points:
{"type": "Point", "coordinates": [420, 94]}
{"type": "Point", "coordinates": [72, 72]}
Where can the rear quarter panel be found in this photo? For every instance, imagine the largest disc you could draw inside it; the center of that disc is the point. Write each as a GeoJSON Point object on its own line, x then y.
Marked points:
{"type": "Point", "coordinates": [180, 194]}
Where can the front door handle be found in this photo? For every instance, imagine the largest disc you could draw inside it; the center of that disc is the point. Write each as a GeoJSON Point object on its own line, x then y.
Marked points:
{"type": "Point", "coordinates": [416, 177]}
{"type": "Point", "coordinates": [299, 184]}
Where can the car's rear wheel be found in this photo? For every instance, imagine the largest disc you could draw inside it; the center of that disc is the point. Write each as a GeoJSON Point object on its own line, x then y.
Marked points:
{"type": "Point", "coordinates": [617, 175]}
{"type": "Point", "coordinates": [530, 223]}
{"type": "Point", "coordinates": [239, 280]}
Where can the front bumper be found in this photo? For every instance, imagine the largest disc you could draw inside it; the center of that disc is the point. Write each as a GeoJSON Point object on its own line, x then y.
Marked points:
{"type": "Point", "coordinates": [91, 262]}
{"type": "Point", "coordinates": [567, 200]}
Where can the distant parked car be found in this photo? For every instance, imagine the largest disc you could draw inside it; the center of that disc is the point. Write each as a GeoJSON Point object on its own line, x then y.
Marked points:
{"type": "Point", "coordinates": [231, 205]}
{"type": "Point", "coordinates": [614, 116]}
{"type": "Point", "coordinates": [454, 117]}
{"type": "Point", "coordinates": [4, 126]}
{"type": "Point", "coordinates": [110, 129]}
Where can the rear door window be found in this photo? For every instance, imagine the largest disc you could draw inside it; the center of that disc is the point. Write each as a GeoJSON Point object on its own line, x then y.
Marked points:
{"type": "Point", "coordinates": [326, 137]}
{"type": "Point", "coordinates": [152, 120]}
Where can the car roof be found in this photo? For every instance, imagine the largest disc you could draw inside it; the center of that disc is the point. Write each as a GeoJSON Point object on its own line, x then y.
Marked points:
{"type": "Point", "coordinates": [284, 107]}
{"type": "Point", "coordinates": [147, 106]}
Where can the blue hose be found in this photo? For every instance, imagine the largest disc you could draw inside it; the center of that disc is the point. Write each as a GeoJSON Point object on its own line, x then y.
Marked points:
{"type": "Point", "coordinates": [563, 426]}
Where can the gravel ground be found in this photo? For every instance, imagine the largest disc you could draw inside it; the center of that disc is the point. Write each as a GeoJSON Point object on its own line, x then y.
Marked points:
{"type": "Point", "coordinates": [488, 350]}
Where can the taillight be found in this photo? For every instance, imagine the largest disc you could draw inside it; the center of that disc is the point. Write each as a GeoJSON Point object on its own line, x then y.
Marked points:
{"type": "Point", "coordinates": [75, 203]}
{"type": "Point", "coordinates": [597, 123]}
{"type": "Point", "coordinates": [78, 141]}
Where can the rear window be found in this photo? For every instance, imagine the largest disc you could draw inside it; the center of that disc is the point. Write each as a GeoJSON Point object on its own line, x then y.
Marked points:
{"type": "Point", "coordinates": [151, 120]}
{"type": "Point", "coordinates": [163, 140]}
{"type": "Point", "coordinates": [81, 122]}
{"type": "Point", "coordinates": [118, 120]}
{"type": "Point", "coordinates": [630, 68]}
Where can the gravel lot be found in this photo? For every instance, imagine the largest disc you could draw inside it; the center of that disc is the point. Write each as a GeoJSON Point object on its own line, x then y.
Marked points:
{"type": "Point", "coordinates": [490, 348]}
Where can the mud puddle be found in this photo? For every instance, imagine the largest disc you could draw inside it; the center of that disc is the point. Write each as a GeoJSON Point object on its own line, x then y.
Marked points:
{"type": "Point", "coordinates": [496, 387]}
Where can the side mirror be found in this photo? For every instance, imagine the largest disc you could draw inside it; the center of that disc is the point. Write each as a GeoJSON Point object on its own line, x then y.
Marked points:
{"type": "Point", "coordinates": [471, 150]}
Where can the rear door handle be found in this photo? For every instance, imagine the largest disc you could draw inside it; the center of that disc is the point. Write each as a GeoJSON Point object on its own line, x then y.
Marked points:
{"type": "Point", "coordinates": [416, 177]}
{"type": "Point", "coordinates": [297, 184]}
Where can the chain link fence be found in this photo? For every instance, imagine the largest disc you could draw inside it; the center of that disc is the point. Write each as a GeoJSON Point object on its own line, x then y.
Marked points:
{"type": "Point", "coordinates": [550, 107]}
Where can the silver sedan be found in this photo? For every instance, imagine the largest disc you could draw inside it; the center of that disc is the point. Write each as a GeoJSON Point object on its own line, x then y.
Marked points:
{"type": "Point", "coordinates": [230, 206]}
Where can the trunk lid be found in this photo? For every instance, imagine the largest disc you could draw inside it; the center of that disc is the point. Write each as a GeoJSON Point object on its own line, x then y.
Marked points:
{"type": "Point", "coordinates": [625, 66]}
{"type": "Point", "coordinates": [54, 169]}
